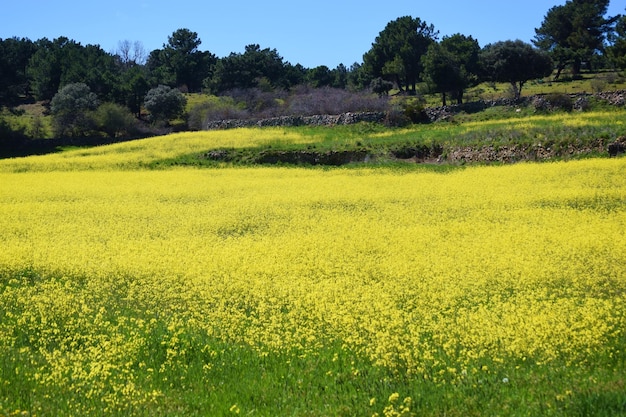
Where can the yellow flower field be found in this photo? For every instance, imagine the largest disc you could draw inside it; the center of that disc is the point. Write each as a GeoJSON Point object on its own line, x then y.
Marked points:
{"type": "Point", "coordinates": [428, 275]}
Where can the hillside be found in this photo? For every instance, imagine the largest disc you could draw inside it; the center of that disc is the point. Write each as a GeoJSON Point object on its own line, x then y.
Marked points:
{"type": "Point", "coordinates": [512, 136]}
{"type": "Point", "coordinates": [530, 129]}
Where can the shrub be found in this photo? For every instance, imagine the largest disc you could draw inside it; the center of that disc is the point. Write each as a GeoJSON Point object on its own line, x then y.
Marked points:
{"type": "Point", "coordinates": [115, 120]}
{"type": "Point", "coordinates": [552, 102]}
{"type": "Point", "coordinates": [10, 133]}
{"type": "Point", "coordinates": [381, 87]}
{"type": "Point", "coordinates": [37, 128]}
{"type": "Point", "coordinates": [540, 104]}
{"type": "Point", "coordinates": [327, 100]}
{"type": "Point", "coordinates": [413, 109]}
{"type": "Point", "coordinates": [560, 101]}
{"type": "Point", "coordinates": [258, 102]}
{"type": "Point", "coordinates": [215, 108]}
{"type": "Point", "coordinates": [164, 103]}
{"type": "Point", "coordinates": [71, 108]}
{"type": "Point", "coordinates": [598, 85]}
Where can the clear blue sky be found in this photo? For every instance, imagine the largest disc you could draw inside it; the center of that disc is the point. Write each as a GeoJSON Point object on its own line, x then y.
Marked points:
{"type": "Point", "coordinates": [311, 33]}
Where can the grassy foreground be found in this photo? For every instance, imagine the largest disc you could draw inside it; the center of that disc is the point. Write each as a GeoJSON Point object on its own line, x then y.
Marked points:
{"type": "Point", "coordinates": [307, 292]}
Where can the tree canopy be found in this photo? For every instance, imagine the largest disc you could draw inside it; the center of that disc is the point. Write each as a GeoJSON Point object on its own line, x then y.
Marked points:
{"type": "Point", "coordinates": [180, 63]}
{"type": "Point", "coordinates": [451, 65]}
{"type": "Point", "coordinates": [63, 61]}
{"type": "Point", "coordinates": [164, 103]}
{"type": "Point", "coordinates": [70, 108]}
{"type": "Point", "coordinates": [574, 32]}
{"type": "Point", "coordinates": [617, 51]}
{"type": "Point", "coordinates": [406, 52]}
{"type": "Point", "coordinates": [14, 56]}
{"type": "Point", "coordinates": [396, 53]}
{"type": "Point", "coordinates": [514, 62]}
{"type": "Point", "coordinates": [247, 69]}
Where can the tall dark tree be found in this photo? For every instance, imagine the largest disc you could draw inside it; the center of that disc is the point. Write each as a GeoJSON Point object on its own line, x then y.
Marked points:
{"type": "Point", "coordinates": [135, 86]}
{"type": "Point", "coordinates": [246, 70]}
{"type": "Point", "coordinates": [45, 68]}
{"type": "Point", "coordinates": [180, 63]}
{"type": "Point", "coordinates": [396, 52]}
{"type": "Point", "coordinates": [514, 62]}
{"type": "Point", "coordinates": [63, 61]}
{"type": "Point", "coordinates": [293, 75]}
{"type": "Point", "coordinates": [452, 65]}
{"type": "Point", "coordinates": [617, 51]}
{"type": "Point", "coordinates": [14, 56]}
{"type": "Point", "coordinates": [574, 32]}
{"type": "Point", "coordinates": [340, 76]}
{"type": "Point", "coordinates": [159, 70]}
{"type": "Point", "coordinates": [320, 76]}
{"type": "Point", "coordinates": [358, 77]}
{"type": "Point", "coordinates": [96, 68]}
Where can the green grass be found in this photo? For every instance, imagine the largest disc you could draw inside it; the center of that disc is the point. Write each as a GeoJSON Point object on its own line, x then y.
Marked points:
{"type": "Point", "coordinates": [29, 119]}
{"type": "Point", "coordinates": [210, 376]}
{"type": "Point", "coordinates": [496, 127]}
{"type": "Point", "coordinates": [586, 83]}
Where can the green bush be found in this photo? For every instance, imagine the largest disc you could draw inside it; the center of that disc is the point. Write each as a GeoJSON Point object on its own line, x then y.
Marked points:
{"type": "Point", "coordinates": [414, 109]}
{"type": "Point", "coordinates": [70, 109]}
{"type": "Point", "coordinates": [560, 101]}
{"type": "Point", "coordinates": [8, 132]}
{"type": "Point", "coordinates": [114, 120]}
{"type": "Point", "coordinates": [214, 108]}
{"type": "Point", "coordinates": [164, 103]}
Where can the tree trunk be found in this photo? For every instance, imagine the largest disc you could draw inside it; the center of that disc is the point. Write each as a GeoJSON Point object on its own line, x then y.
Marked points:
{"type": "Point", "coordinates": [399, 83]}
{"type": "Point", "coordinates": [459, 97]}
{"type": "Point", "coordinates": [576, 65]}
{"type": "Point", "coordinates": [443, 99]}
{"type": "Point", "coordinates": [519, 90]}
{"type": "Point", "coordinates": [516, 91]}
{"type": "Point", "coordinates": [559, 70]}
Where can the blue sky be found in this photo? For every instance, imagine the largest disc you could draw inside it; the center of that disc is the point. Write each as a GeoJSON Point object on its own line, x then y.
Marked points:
{"type": "Point", "coordinates": [321, 32]}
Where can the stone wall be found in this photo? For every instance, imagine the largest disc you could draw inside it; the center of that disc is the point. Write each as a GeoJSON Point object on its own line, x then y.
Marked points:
{"type": "Point", "coordinates": [540, 102]}
{"type": "Point", "coordinates": [433, 114]}
{"type": "Point", "coordinates": [317, 120]}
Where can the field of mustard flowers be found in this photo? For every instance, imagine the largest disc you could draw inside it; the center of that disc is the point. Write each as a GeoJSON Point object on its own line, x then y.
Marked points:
{"type": "Point", "coordinates": [269, 291]}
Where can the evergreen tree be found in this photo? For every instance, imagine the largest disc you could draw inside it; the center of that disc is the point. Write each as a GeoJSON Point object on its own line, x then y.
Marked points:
{"type": "Point", "coordinates": [396, 52]}
{"type": "Point", "coordinates": [574, 32]}
{"type": "Point", "coordinates": [514, 62]}
{"type": "Point", "coordinates": [14, 56]}
{"type": "Point", "coordinates": [452, 65]}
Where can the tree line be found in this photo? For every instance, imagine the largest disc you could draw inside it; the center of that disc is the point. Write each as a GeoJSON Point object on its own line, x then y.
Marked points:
{"type": "Point", "coordinates": [407, 52]}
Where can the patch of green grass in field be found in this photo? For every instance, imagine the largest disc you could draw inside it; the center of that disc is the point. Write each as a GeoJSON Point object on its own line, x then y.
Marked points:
{"type": "Point", "coordinates": [186, 372]}
{"type": "Point", "coordinates": [499, 126]}
{"type": "Point", "coordinates": [30, 119]}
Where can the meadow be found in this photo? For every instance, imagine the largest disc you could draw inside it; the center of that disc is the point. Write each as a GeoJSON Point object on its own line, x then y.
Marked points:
{"type": "Point", "coordinates": [134, 287]}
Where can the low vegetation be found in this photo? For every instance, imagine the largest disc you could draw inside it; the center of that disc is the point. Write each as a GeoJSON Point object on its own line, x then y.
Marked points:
{"type": "Point", "coordinates": [308, 292]}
